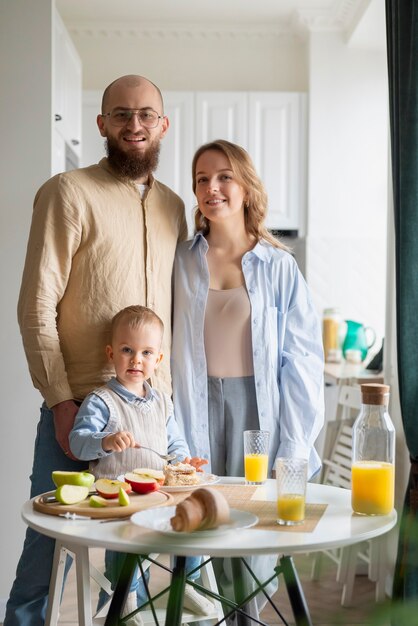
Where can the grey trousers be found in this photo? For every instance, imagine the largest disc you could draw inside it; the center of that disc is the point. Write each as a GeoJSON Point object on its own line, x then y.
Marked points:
{"type": "Point", "coordinates": [233, 409]}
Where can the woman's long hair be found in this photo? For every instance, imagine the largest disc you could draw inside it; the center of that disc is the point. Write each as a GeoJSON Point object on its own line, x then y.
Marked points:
{"type": "Point", "coordinates": [255, 207]}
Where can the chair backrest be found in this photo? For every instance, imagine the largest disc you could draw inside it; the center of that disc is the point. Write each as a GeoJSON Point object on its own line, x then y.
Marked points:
{"type": "Point", "coordinates": [337, 461]}
{"type": "Point", "coordinates": [349, 402]}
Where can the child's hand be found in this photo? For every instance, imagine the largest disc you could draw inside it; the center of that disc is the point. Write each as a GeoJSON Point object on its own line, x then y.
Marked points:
{"type": "Point", "coordinates": [196, 461]}
{"type": "Point", "coordinates": [117, 442]}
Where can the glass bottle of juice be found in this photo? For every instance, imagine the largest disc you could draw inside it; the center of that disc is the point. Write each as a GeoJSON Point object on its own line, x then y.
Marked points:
{"type": "Point", "coordinates": [331, 325]}
{"type": "Point", "coordinates": [373, 461]}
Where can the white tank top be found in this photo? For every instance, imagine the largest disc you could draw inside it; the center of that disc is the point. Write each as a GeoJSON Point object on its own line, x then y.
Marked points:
{"type": "Point", "coordinates": [228, 333]}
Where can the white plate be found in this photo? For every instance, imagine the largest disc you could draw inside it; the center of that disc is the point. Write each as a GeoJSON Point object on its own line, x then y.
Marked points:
{"type": "Point", "coordinates": [205, 480]}
{"type": "Point", "coordinates": [158, 519]}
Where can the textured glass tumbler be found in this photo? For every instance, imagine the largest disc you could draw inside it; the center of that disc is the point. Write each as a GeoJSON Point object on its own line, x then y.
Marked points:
{"type": "Point", "coordinates": [291, 477]}
{"type": "Point", "coordinates": [256, 459]}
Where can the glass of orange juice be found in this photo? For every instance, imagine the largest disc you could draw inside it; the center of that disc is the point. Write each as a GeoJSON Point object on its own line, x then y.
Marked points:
{"type": "Point", "coordinates": [256, 459]}
{"type": "Point", "coordinates": [291, 477]}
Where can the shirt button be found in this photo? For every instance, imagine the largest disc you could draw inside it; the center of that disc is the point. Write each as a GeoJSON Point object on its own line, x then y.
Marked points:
{"type": "Point", "coordinates": [255, 321]}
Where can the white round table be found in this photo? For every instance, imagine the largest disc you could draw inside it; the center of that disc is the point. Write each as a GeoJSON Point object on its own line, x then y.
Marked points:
{"type": "Point", "coordinates": [337, 527]}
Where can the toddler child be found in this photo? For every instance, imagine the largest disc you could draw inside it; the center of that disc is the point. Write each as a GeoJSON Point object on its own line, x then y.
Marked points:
{"type": "Point", "coordinates": [116, 419]}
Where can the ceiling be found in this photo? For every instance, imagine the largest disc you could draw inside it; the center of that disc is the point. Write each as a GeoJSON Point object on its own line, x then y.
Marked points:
{"type": "Point", "coordinates": [361, 21]}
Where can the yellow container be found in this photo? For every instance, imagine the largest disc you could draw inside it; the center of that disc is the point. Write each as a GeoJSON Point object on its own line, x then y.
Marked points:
{"type": "Point", "coordinates": [373, 462]}
{"type": "Point", "coordinates": [331, 332]}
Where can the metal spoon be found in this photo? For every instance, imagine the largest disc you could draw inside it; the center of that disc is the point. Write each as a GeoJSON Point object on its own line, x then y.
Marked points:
{"type": "Point", "coordinates": [165, 457]}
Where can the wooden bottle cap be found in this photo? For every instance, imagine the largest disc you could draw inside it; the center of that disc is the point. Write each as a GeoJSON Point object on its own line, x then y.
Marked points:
{"type": "Point", "coordinates": [375, 393]}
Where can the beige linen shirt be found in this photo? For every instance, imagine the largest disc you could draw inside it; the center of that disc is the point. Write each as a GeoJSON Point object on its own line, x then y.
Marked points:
{"type": "Point", "coordinates": [94, 247]}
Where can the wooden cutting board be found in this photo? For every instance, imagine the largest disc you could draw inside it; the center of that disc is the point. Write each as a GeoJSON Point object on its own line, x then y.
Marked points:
{"type": "Point", "coordinates": [138, 502]}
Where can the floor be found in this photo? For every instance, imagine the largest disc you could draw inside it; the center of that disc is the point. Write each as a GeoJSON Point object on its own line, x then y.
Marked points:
{"type": "Point", "coordinates": [323, 598]}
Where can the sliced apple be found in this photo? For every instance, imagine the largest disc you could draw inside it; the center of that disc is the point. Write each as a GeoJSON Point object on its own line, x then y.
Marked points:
{"type": "Point", "coordinates": [108, 488]}
{"type": "Point", "coordinates": [150, 473]}
{"type": "Point", "coordinates": [141, 484]}
{"type": "Point", "coordinates": [81, 479]}
{"type": "Point", "coordinates": [97, 501]}
{"type": "Point", "coordinates": [71, 494]}
{"type": "Point", "coordinates": [123, 497]}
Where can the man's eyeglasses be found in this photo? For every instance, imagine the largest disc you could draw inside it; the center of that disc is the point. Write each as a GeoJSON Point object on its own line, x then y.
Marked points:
{"type": "Point", "coordinates": [147, 117]}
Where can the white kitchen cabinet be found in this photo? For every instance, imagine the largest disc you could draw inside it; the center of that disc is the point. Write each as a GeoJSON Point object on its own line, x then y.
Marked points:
{"type": "Point", "coordinates": [67, 89]}
{"type": "Point", "coordinates": [221, 115]}
{"type": "Point", "coordinates": [270, 125]}
{"type": "Point", "coordinates": [277, 144]}
{"type": "Point", "coordinates": [177, 148]}
{"type": "Point", "coordinates": [196, 118]}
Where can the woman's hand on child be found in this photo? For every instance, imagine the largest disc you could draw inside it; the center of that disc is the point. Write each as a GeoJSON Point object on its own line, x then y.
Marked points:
{"type": "Point", "coordinates": [117, 442]}
{"type": "Point", "coordinates": [196, 461]}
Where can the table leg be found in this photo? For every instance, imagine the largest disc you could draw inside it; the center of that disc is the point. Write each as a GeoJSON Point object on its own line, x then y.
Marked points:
{"type": "Point", "coordinates": [241, 592]}
{"type": "Point", "coordinates": [82, 565]}
{"type": "Point", "coordinates": [121, 590]}
{"type": "Point", "coordinates": [175, 598]}
{"type": "Point", "coordinates": [295, 592]}
{"type": "Point", "coordinates": [55, 585]}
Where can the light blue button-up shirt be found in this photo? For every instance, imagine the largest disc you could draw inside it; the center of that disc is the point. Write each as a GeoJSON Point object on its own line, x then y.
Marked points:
{"type": "Point", "coordinates": [286, 347]}
{"type": "Point", "coordinates": [93, 415]}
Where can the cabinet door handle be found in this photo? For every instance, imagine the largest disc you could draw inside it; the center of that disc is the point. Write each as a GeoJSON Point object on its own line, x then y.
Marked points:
{"type": "Point", "coordinates": [75, 142]}
{"type": "Point", "coordinates": [58, 117]}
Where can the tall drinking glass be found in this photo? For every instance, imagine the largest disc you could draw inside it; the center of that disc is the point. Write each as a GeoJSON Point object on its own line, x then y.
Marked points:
{"type": "Point", "coordinates": [291, 477]}
{"type": "Point", "coordinates": [256, 460]}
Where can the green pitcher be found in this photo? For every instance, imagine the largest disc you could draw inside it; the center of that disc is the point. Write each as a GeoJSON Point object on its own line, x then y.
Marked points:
{"type": "Point", "coordinates": [356, 338]}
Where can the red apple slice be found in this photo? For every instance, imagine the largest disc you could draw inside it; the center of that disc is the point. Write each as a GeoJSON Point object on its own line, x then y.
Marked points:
{"type": "Point", "coordinates": [141, 484]}
{"type": "Point", "coordinates": [108, 488]}
{"type": "Point", "coordinates": [146, 472]}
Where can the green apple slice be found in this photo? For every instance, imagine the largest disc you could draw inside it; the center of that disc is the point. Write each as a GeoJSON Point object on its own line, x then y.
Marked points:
{"type": "Point", "coordinates": [123, 497]}
{"type": "Point", "coordinates": [82, 479]}
{"type": "Point", "coordinates": [97, 501]}
{"type": "Point", "coordinates": [71, 494]}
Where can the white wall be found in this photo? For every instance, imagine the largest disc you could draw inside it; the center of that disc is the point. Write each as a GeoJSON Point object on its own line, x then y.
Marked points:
{"type": "Point", "coordinates": [347, 186]}
{"type": "Point", "coordinates": [194, 63]}
{"type": "Point", "coordinates": [25, 129]}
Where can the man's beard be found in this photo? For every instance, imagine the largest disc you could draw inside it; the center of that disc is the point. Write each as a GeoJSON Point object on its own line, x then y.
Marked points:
{"type": "Point", "coordinates": [131, 165]}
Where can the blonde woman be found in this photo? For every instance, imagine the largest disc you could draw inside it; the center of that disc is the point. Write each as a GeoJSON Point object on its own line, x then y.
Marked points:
{"type": "Point", "coordinates": [247, 347]}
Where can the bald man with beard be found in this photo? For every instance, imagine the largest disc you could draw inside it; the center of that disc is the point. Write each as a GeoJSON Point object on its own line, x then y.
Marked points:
{"type": "Point", "coordinates": [102, 238]}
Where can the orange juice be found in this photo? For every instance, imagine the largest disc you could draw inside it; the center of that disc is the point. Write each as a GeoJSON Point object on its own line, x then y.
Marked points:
{"type": "Point", "coordinates": [256, 466]}
{"type": "Point", "coordinates": [330, 335]}
{"type": "Point", "coordinates": [291, 507]}
{"type": "Point", "coordinates": [372, 487]}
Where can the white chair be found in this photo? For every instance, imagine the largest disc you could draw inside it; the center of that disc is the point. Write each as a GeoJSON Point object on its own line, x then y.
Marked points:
{"type": "Point", "coordinates": [337, 471]}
